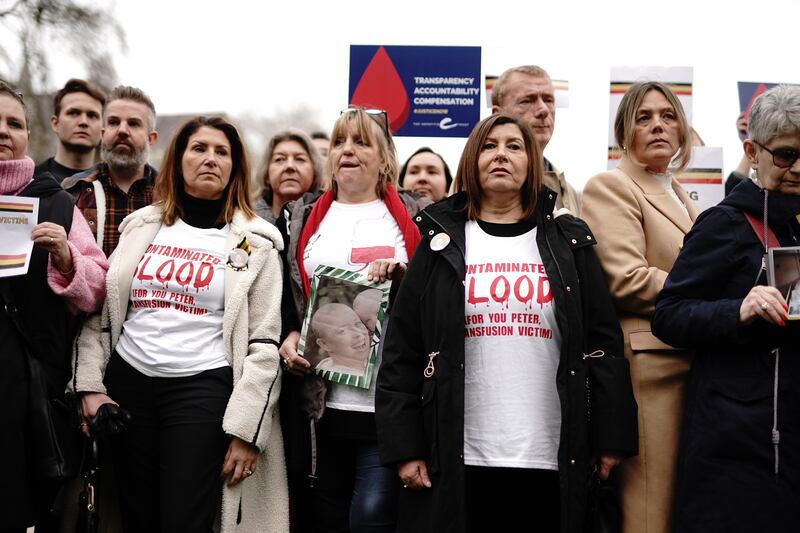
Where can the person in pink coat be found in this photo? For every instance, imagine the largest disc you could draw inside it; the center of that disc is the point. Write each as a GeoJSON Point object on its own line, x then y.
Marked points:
{"type": "Point", "coordinates": [65, 276]}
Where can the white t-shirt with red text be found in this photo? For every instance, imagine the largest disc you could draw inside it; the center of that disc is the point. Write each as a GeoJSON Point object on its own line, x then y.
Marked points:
{"type": "Point", "coordinates": [512, 344]}
{"type": "Point", "coordinates": [351, 236]}
{"type": "Point", "coordinates": [173, 327]}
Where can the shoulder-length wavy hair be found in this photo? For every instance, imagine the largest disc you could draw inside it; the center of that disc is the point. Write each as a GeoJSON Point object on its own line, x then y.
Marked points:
{"type": "Point", "coordinates": [374, 132]}
{"type": "Point", "coordinates": [626, 120]}
{"type": "Point", "coordinates": [468, 178]}
{"type": "Point", "coordinates": [263, 188]}
{"type": "Point", "coordinates": [170, 179]}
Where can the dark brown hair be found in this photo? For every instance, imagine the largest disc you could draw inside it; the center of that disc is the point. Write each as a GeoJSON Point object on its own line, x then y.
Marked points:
{"type": "Point", "coordinates": [170, 180]}
{"type": "Point", "coordinates": [468, 178]}
{"type": "Point", "coordinates": [76, 85]}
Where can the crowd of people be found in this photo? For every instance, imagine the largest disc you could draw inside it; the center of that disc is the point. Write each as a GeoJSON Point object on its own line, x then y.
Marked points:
{"type": "Point", "coordinates": [537, 341]}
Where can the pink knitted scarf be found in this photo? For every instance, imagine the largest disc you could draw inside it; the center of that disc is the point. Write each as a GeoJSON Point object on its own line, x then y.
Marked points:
{"type": "Point", "coordinates": [15, 175]}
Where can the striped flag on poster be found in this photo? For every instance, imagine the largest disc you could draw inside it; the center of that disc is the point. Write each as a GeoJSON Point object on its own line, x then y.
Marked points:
{"type": "Point", "coordinates": [18, 216]}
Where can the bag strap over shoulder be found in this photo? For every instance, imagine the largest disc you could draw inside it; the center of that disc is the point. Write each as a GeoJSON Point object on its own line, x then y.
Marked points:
{"type": "Point", "coordinates": [763, 232]}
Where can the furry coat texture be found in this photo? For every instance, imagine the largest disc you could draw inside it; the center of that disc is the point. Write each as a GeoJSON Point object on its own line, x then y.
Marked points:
{"type": "Point", "coordinates": [251, 330]}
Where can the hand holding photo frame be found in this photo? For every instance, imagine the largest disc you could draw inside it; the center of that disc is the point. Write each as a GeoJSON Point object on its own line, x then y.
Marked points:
{"type": "Point", "coordinates": [783, 273]}
{"type": "Point", "coordinates": [342, 326]}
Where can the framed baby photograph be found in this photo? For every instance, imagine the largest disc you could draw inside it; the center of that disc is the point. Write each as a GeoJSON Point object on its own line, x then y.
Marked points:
{"type": "Point", "coordinates": [783, 273]}
{"type": "Point", "coordinates": [342, 326]}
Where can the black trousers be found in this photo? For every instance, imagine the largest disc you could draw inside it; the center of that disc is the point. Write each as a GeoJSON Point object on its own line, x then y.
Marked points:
{"type": "Point", "coordinates": [168, 463]}
{"type": "Point", "coordinates": [512, 499]}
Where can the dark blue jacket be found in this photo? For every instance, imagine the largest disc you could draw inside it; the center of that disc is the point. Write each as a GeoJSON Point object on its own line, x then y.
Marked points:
{"type": "Point", "coordinates": [726, 466]}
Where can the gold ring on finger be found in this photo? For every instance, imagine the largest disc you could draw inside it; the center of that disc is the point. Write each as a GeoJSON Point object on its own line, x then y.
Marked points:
{"type": "Point", "coordinates": [764, 306]}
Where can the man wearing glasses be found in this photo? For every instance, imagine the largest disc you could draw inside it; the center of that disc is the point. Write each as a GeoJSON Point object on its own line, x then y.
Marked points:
{"type": "Point", "coordinates": [527, 92]}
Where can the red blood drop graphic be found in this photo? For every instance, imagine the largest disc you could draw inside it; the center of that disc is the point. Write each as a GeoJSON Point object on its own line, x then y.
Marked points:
{"type": "Point", "coordinates": [381, 87]}
{"type": "Point", "coordinates": [758, 92]}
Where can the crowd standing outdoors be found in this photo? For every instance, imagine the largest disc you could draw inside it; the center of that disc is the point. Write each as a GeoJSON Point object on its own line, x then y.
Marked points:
{"type": "Point", "coordinates": [528, 359]}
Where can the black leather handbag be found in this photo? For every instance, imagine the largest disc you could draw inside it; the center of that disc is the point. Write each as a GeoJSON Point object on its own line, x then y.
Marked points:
{"type": "Point", "coordinates": [602, 503]}
{"type": "Point", "coordinates": [88, 520]}
{"type": "Point", "coordinates": [602, 507]}
{"type": "Point", "coordinates": [53, 426]}
{"type": "Point", "coordinates": [52, 421]}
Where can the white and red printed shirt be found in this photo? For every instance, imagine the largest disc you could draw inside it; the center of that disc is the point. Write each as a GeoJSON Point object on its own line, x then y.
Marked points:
{"type": "Point", "coordinates": [512, 345]}
{"type": "Point", "coordinates": [350, 237]}
{"type": "Point", "coordinates": [174, 323]}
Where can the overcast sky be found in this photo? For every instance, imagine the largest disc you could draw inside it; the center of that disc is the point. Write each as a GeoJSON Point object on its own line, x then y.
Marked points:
{"type": "Point", "coordinates": [239, 56]}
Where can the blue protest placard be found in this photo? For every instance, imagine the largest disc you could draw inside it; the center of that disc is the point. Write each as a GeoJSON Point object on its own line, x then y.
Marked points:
{"type": "Point", "coordinates": [749, 91]}
{"type": "Point", "coordinates": [427, 91]}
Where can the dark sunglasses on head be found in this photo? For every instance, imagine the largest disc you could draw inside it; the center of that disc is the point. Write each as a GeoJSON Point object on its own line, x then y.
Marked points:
{"type": "Point", "coordinates": [378, 115]}
{"type": "Point", "coordinates": [782, 157]}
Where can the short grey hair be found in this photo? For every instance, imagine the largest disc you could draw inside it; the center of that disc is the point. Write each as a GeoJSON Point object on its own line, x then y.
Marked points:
{"type": "Point", "coordinates": [775, 112]}
{"type": "Point", "coordinates": [499, 85]}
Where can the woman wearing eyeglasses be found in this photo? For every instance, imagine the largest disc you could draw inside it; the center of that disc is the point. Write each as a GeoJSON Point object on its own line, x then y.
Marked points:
{"type": "Point", "coordinates": [640, 214]}
{"type": "Point", "coordinates": [360, 224]}
{"type": "Point", "coordinates": [739, 461]}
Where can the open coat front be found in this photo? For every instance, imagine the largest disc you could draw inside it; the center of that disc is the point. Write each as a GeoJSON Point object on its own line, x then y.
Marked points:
{"type": "Point", "coordinates": [251, 330]}
{"type": "Point", "coordinates": [423, 418]}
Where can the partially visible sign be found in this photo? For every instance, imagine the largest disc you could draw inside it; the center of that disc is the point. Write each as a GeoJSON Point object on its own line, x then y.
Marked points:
{"type": "Point", "coordinates": [749, 91]}
{"type": "Point", "coordinates": [427, 91]}
{"type": "Point", "coordinates": [702, 179]}
{"type": "Point", "coordinates": [678, 79]}
{"type": "Point", "coordinates": [18, 216]}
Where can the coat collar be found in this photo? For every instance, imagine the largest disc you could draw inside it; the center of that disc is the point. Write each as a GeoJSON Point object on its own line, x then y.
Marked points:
{"type": "Point", "coordinates": [658, 197]}
{"type": "Point", "coordinates": [450, 216]}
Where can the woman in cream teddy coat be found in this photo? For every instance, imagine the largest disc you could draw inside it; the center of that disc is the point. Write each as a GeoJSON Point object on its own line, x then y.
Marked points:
{"type": "Point", "coordinates": [254, 501]}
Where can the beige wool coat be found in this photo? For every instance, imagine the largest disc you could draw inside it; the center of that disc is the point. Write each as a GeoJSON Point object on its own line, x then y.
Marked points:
{"type": "Point", "coordinates": [252, 316]}
{"type": "Point", "coordinates": [640, 229]}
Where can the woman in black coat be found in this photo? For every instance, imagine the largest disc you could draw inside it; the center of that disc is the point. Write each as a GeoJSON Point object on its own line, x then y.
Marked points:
{"type": "Point", "coordinates": [739, 461]}
{"type": "Point", "coordinates": [501, 319]}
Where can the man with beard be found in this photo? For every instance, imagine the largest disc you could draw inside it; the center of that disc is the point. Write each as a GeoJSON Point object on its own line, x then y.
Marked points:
{"type": "Point", "coordinates": [123, 181]}
{"type": "Point", "coordinates": [76, 120]}
{"type": "Point", "coordinates": [527, 92]}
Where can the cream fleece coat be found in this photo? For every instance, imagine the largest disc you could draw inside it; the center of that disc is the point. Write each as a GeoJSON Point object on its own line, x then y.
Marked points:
{"type": "Point", "coordinates": [251, 331]}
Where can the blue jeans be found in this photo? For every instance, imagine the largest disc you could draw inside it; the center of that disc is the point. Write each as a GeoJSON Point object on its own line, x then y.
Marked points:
{"type": "Point", "coordinates": [353, 492]}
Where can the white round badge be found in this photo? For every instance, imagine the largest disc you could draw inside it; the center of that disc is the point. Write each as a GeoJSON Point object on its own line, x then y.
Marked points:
{"type": "Point", "coordinates": [238, 258]}
{"type": "Point", "coordinates": [440, 242]}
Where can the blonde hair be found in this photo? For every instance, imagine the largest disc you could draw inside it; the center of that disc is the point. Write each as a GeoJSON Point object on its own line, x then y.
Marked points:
{"type": "Point", "coordinates": [626, 119]}
{"type": "Point", "coordinates": [374, 133]}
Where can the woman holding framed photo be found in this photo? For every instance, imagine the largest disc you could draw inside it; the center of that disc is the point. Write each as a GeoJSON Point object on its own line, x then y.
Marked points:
{"type": "Point", "coordinates": [360, 224]}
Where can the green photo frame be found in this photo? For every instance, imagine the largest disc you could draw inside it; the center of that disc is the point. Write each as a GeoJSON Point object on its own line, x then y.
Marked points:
{"type": "Point", "coordinates": [343, 324]}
